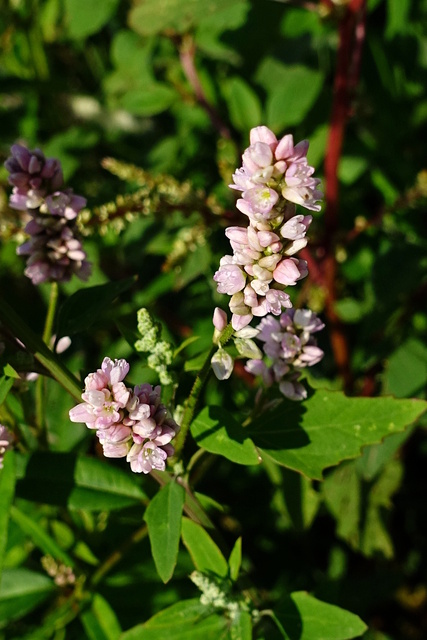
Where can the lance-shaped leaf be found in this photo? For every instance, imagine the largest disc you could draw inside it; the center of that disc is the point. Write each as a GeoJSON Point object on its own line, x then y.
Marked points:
{"type": "Point", "coordinates": [305, 618]}
{"type": "Point", "coordinates": [163, 517]}
{"type": "Point", "coordinates": [99, 620]}
{"type": "Point", "coordinates": [205, 554]}
{"type": "Point", "coordinates": [7, 490]}
{"type": "Point", "coordinates": [186, 620]}
{"type": "Point", "coordinates": [21, 591]}
{"type": "Point", "coordinates": [329, 427]}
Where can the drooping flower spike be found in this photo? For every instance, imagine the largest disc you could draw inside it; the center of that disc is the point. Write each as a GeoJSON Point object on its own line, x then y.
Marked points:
{"type": "Point", "coordinates": [131, 423]}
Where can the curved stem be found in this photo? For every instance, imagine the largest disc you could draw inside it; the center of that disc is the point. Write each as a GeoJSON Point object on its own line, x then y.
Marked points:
{"type": "Point", "coordinates": [191, 403]}
{"type": "Point", "coordinates": [41, 381]}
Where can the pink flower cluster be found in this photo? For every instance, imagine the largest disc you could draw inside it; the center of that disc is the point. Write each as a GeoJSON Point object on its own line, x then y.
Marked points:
{"type": "Point", "coordinates": [54, 250]}
{"type": "Point", "coordinates": [131, 423]}
{"type": "Point", "coordinates": [275, 176]}
{"type": "Point", "coordinates": [6, 439]}
{"type": "Point", "coordinates": [290, 347]}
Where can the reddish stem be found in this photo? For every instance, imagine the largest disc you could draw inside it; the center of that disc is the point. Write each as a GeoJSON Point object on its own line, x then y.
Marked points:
{"type": "Point", "coordinates": [351, 35]}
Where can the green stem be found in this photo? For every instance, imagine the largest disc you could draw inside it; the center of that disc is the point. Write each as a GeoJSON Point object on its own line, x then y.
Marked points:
{"type": "Point", "coordinates": [118, 554]}
{"type": "Point", "coordinates": [40, 351]}
{"type": "Point", "coordinates": [41, 381]}
{"type": "Point", "coordinates": [191, 403]}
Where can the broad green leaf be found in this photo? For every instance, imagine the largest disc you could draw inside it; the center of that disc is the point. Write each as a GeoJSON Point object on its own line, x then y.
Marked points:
{"type": "Point", "coordinates": [21, 591]}
{"type": "Point", "coordinates": [40, 538]}
{"type": "Point", "coordinates": [243, 104]}
{"type": "Point", "coordinates": [204, 552]}
{"type": "Point", "coordinates": [241, 626]}
{"type": "Point", "coordinates": [81, 309]}
{"type": "Point", "coordinates": [186, 620]}
{"type": "Point", "coordinates": [397, 17]}
{"type": "Point", "coordinates": [6, 385]}
{"type": "Point", "coordinates": [292, 91]}
{"type": "Point", "coordinates": [149, 100]}
{"type": "Point", "coordinates": [235, 559]}
{"type": "Point", "coordinates": [163, 517]}
{"type": "Point", "coordinates": [360, 508]}
{"type": "Point", "coordinates": [76, 481]}
{"type": "Point", "coordinates": [99, 621]}
{"type": "Point", "coordinates": [306, 618]}
{"type": "Point", "coordinates": [85, 18]}
{"type": "Point", "coordinates": [329, 427]}
{"type": "Point", "coordinates": [149, 17]}
{"type": "Point", "coordinates": [217, 431]}
{"type": "Point", "coordinates": [406, 370]}
{"type": "Point", "coordinates": [7, 490]}
{"type": "Point", "coordinates": [351, 168]}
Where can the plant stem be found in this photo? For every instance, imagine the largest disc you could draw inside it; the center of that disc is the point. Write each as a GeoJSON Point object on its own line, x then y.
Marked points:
{"type": "Point", "coordinates": [41, 381]}
{"type": "Point", "coordinates": [191, 402]}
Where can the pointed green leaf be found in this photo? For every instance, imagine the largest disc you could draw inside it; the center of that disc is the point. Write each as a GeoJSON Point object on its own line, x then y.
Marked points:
{"type": "Point", "coordinates": [77, 481]}
{"type": "Point", "coordinates": [329, 427]}
{"type": "Point", "coordinates": [21, 591]}
{"type": "Point", "coordinates": [7, 490]}
{"type": "Point", "coordinates": [186, 620]}
{"type": "Point", "coordinates": [6, 385]}
{"type": "Point", "coordinates": [243, 104]}
{"type": "Point", "coordinates": [163, 517]}
{"type": "Point", "coordinates": [235, 559]}
{"type": "Point", "coordinates": [99, 621]}
{"type": "Point", "coordinates": [204, 552]}
{"type": "Point", "coordinates": [306, 618]}
{"type": "Point", "coordinates": [217, 431]}
{"type": "Point", "coordinates": [85, 18]}
{"type": "Point", "coordinates": [81, 309]}
{"type": "Point", "coordinates": [40, 537]}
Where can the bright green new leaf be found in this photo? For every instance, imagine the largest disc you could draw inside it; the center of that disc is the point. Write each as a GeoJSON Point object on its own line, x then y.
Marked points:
{"type": "Point", "coordinates": [76, 481]}
{"type": "Point", "coordinates": [81, 309]}
{"type": "Point", "coordinates": [235, 559]}
{"type": "Point", "coordinates": [204, 552]}
{"type": "Point", "coordinates": [186, 620]}
{"type": "Point", "coordinates": [7, 490]}
{"type": "Point", "coordinates": [6, 384]}
{"type": "Point", "coordinates": [149, 100]}
{"type": "Point", "coordinates": [305, 618]}
{"type": "Point", "coordinates": [217, 431]}
{"type": "Point", "coordinates": [329, 427]}
{"type": "Point", "coordinates": [163, 517]}
{"type": "Point", "coordinates": [99, 621]}
{"type": "Point", "coordinates": [21, 591]}
{"type": "Point", "coordinates": [85, 18]}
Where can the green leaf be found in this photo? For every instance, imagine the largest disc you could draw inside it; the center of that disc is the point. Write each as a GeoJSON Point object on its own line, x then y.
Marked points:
{"type": "Point", "coordinates": [79, 482]}
{"type": "Point", "coordinates": [241, 626]}
{"type": "Point", "coordinates": [243, 104]}
{"type": "Point", "coordinates": [292, 91]}
{"type": "Point", "coordinates": [204, 552]}
{"type": "Point", "coordinates": [163, 517]}
{"type": "Point", "coordinates": [306, 618]}
{"type": "Point", "coordinates": [329, 427]}
{"type": "Point", "coordinates": [186, 620]}
{"type": "Point", "coordinates": [406, 371]}
{"type": "Point", "coordinates": [7, 490]}
{"type": "Point", "coordinates": [85, 18]}
{"type": "Point", "coordinates": [217, 431]}
{"type": "Point", "coordinates": [149, 17]}
{"type": "Point", "coordinates": [21, 591]}
{"type": "Point", "coordinates": [235, 559]}
{"type": "Point", "coordinates": [81, 309]}
{"type": "Point", "coordinates": [100, 622]}
{"type": "Point", "coordinates": [6, 385]}
{"type": "Point", "coordinates": [149, 100]}
{"type": "Point", "coordinates": [38, 535]}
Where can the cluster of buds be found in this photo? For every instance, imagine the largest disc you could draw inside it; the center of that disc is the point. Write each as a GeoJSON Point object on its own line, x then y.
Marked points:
{"type": "Point", "coordinates": [274, 178]}
{"type": "Point", "coordinates": [290, 347]}
{"type": "Point", "coordinates": [54, 250]}
{"type": "Point", "coordinates": [131, 423]}
{"type": "Point", "coordinates": [62, 575]}
{"type": "Point", "coordinates": [6, 439]}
